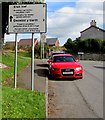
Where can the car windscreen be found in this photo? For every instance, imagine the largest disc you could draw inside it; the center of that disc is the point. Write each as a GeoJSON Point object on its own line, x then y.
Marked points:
{"type": "Point", "coordinates": [63, 59]}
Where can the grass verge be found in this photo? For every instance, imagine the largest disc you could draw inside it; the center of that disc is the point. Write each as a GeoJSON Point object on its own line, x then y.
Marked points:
{"type": "Point", "coordinates": [21, 103]}
{"type": "Point", "coordinates": [8, 59]}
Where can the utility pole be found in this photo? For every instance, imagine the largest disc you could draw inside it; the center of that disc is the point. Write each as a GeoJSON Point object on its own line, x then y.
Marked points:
{"type": "Point", "coordinates": [43, 49]}
{"type": "Point", "coordinates": [41, 42]}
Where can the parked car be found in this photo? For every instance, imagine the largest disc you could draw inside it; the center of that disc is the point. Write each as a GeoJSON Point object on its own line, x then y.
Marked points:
{"type": "Point", "coordinates": [55, 53]}
{"type": "Point", "coordinates": [58, 52]}
{"type": "Point", "coordinates": [65, 66]}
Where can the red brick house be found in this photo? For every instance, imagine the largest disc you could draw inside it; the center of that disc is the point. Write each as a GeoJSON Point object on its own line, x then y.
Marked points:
{"type": "Point", "coordinates": [51, 42]}
{"type": "Point", "coordinates": [23, 42]}
{"type": "Point", "coordinates": [27, 42]}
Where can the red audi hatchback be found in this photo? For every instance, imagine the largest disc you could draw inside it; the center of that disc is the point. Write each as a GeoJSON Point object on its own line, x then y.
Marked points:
{"type": "Point", "coordinates": [65, 66]}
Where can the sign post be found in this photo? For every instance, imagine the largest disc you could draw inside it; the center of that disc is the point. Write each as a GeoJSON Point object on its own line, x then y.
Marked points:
{"type": "Point", "coordinates": [32, 72]}
{"type": "Point", "coordinates": [27, 18]}
{"type": "Point", "coordinates": [15, 62]}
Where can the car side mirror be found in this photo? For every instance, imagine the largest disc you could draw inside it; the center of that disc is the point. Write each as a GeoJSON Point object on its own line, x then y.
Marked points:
{"type": "Point", "coordinates": [77, 60]}
{"type": "Point", "coordinates": [49, 61]}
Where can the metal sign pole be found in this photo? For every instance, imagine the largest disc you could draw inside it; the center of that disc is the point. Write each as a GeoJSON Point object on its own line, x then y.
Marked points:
{"type": "Point", "coordinates": [15, 63]}
{"type": "Point", "coordinates": [40, 45]}
{"type": "Point", "coordinates": [41, 39]}
{"type": "Point", "coordinates": [43, 49]}
{"type": "Point", "coordinates": [32, 65]}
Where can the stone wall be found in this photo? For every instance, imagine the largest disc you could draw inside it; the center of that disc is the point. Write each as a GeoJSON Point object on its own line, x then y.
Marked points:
{"type": "Point", "coordinates": [88, 56]}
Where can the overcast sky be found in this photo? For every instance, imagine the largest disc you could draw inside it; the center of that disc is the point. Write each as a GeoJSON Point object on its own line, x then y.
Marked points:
{"type": "Point", "coordinates": [66, 19]}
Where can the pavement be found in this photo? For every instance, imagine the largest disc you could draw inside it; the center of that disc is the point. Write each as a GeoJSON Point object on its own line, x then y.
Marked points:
{"type": "Point", "coordinates": [40, 76]}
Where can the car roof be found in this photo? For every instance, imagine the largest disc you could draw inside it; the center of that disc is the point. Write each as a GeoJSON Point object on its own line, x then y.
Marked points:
{"type": "Point", "coordinates": [58, 52]}
{"type": "Point", "coordinates": [62, 55]}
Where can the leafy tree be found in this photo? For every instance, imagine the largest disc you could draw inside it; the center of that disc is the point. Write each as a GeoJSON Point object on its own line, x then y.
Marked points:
{"type": "Point", "coordinates": [103, 47]}
{"type": "Point", "coordinates": [95, 46]}
{"type": "Point", "coordinates": [68, 43]}
{"type": "Point", "coordinates": [87, 46]}
{"type": "Point", "coordinates": [82, 46]}
{"type": "Point", "coordinates": [70, 46]}
{"type": "Point", "coordinates": [90, 45]}
{"type": "Point", "coordinates": [37, 50]}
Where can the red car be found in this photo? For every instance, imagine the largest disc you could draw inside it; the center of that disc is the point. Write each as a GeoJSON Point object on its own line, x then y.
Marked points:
{"type": "Point", "coordinates": [65, 66]}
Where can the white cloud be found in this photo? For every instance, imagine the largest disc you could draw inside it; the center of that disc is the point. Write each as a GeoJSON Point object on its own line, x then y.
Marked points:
{"type": "Point", "coordinates": [74, 0]}
{"type": "Point", "coordinates": [68, 21]}
{"type": "Point", "coordinates": [60, 0]}
{"type": "Point", "coordinates": [91, 1]}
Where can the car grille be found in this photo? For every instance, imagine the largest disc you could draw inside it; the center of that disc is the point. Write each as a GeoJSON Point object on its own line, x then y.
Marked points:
{"type": "Point", "coordinates": [67, 72]}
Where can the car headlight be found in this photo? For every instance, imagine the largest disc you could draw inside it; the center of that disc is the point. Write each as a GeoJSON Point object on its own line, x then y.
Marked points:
{"type": "Point", "coordinates": [55, 69]}
{"type": "Point", "coordinates": [78, 68]}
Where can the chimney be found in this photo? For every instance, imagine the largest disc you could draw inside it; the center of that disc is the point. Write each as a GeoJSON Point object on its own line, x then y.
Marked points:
{"type": "Point", "coordinates": [93, 23]}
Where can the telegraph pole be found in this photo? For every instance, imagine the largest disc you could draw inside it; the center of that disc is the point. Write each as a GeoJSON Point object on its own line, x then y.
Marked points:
{"type": "Point", "coordinates": [43, 49]}
{"type": "Point", "coordinates": [43, 37]}
{"type": "Point", "coordinates": [42, 42]}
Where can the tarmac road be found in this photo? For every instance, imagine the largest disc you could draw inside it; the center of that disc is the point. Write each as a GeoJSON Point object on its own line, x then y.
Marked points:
{"type": "Point", "coordinates": [82, 98]}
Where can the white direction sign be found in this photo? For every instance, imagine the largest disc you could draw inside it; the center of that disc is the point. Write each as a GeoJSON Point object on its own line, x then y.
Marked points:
{"type": "Point", "coordinates": [27, 18]}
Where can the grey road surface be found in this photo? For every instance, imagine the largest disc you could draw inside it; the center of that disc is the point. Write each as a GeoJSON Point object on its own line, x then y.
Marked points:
{"type": "Point", "coordinates": [82, 98]}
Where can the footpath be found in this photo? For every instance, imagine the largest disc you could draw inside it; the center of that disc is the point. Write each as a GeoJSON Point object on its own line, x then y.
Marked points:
{"type": "Point", "coordinates": [40, 76]}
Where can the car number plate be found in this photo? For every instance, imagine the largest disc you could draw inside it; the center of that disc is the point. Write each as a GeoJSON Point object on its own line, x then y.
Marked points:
{"type": "Point", "coordinates": [68, 72]}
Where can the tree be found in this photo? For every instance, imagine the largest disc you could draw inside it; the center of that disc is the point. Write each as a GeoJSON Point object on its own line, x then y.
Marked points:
{"type": "Point", "coordinates": [87, 46]}
{"type": "Point", "coordinates": [95, 45]}
{"type": "Point", "coordinates": [103, 47]}
{"type": "Point", "coordinates": [37, 50]}
{"type": "Point", "coordinates": [90, 45]}
{"type": "Point", "coordinates": [70, 46]}
{"type": "Point", "coordinates": [82, 46]}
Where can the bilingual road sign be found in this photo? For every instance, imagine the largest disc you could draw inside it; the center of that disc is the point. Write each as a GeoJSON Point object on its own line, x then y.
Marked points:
{"type": "Point", "coordinates": [27, 18]}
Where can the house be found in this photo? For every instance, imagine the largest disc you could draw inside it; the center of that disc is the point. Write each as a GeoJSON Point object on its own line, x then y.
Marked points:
{"type": "Point", "coordinates": [27, 42]}
{"type": "Point", "coordinates": [23, 42]}
{"type": "Point", "coordinates": [92, 32]}
{"type": "Point", "coordinates": [51, 42]}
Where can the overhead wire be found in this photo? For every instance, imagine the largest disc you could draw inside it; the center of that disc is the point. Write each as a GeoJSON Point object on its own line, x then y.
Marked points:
{"type": "Point", "coordinates": [77, 13]}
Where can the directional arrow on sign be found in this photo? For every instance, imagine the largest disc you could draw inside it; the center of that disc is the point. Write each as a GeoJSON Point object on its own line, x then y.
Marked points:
{"type": "Point", "coordinates": [11, 18]}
